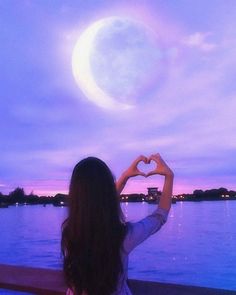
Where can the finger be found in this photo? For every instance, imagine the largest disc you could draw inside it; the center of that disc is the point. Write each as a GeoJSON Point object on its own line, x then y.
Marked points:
{"type": "Point", "coordinates": [151, 158]}
{"type": "Point", "coordinates": [141, 158]}
{"type": "Point", "coordinates": [155, 158]}
{"type": "Point", "coordinates": [163, 163]}
{"type": "Point", "coordinates": [142, 174]}
{"type": "Point", "coordinates": [151, 173]}
{"type": "Point", "coordinates": [137, 173]}
{"type": "Point", "coordinates": [160, 158]}
{"type": "Point", "coordinates": [155, 155]}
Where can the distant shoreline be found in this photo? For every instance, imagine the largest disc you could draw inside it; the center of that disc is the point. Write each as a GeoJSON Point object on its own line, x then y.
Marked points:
{"type": "Point", "coordinates": [62, 204]}
{"type": "Point", "coordinates": [18, 197]}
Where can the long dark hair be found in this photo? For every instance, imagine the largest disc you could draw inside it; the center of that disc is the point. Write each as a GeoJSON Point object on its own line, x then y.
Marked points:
{"type": "Point", "coordinates": [93, 233]}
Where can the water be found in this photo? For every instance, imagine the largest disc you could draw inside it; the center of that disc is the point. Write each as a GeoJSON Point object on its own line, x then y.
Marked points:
{"type": "Point", "coordinates": [197, 245]}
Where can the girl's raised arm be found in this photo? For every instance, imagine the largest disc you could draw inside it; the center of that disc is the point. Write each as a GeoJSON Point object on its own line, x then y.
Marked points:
{"type": "Point", "coordinates": [141, 230]}
{"type": "Point", "coordinates": [163, 169]}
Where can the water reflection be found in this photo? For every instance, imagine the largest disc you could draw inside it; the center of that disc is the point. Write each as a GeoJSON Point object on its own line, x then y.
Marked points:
{"type": "Point", "coordinates": [196, 246]}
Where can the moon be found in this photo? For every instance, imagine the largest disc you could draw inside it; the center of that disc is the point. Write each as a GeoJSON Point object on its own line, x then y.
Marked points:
{"type": "Point", "coordinates": [115, 60]}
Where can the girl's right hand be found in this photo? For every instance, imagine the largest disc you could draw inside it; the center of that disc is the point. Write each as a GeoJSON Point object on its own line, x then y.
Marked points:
{"type": "Point", "coordinates": [133, 169]}
{"type": "Point", "coordinates": [162, 168]}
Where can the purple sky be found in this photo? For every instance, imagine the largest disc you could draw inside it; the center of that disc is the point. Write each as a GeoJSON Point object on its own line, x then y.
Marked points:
{"type": "Point", "coordinates": [47, 123]}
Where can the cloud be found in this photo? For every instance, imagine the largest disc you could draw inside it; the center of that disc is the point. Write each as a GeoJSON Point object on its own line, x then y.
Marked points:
{"type": "Point", "coordinates": [199, 40]}
{"type": "Point", "coordinates": [47, 124]}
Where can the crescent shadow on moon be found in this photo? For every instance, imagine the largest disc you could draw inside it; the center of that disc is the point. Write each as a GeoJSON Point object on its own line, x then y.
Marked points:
{"type": "Point", "coordinates": [82, 70]}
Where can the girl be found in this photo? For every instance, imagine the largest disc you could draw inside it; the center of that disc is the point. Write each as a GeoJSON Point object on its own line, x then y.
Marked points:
{"type": "Point", "coordinates": [96, 240]}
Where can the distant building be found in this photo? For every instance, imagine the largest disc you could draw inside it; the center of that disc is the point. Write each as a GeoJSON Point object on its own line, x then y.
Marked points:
{"type": "Point", "coordinates": [153, 195]}
{"type": "Point", "coordinates": [153, 191]}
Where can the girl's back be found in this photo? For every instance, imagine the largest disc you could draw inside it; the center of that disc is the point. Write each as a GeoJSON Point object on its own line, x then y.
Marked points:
{"type": "Point", "coordinates": [96, 241]}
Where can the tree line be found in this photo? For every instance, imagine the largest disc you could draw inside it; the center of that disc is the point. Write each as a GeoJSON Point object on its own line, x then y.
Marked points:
{"type": "Point", "coordinates": [18, 196]}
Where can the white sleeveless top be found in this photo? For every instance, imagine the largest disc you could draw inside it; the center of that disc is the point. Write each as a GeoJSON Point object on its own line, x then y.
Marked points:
{"type": "Point", "coordinates": [137, 232]}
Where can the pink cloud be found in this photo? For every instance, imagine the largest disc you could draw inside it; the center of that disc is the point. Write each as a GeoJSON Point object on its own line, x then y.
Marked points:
{"type": "Point", "coordinates": [199, 40]}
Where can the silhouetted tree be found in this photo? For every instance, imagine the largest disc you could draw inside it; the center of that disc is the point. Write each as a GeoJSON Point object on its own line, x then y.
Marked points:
{"type": "Point", "coordinates": [232, 193]}
{"type": "Point", "coordinates": [60, 198]}
{"type": "Point", "coordinates": [198, 193]}
{"type": "Point", "coordinates": [223, 191]}
{"type": "Point", "coordinates": [18, 195]}
{"type": "Point", "coordinates": [32, 198]}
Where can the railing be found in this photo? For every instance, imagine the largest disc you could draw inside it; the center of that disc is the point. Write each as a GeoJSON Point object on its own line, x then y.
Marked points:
{"type": "Point", "coordinates": [51, 282]}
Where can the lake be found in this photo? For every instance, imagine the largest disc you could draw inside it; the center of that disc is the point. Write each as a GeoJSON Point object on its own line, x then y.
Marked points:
{"type": "Point", "coordinates": [197, 245]}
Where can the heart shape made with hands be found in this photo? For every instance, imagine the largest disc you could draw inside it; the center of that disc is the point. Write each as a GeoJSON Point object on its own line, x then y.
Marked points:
{"type": "Point", "coordinates": [146, 167]}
